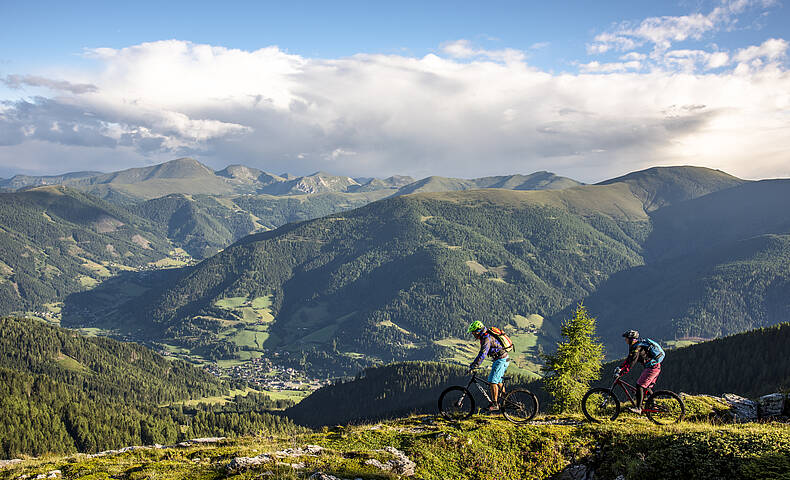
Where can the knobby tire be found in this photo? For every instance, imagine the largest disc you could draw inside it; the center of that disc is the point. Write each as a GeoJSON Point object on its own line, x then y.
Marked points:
{"type": "Point", "coordinates": [456, 403]}
{"type": "Point", "coordinates": [600, 404]}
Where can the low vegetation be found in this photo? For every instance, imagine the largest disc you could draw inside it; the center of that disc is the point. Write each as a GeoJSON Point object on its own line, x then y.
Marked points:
{"type": "Point", "coordinates": [482, 447]}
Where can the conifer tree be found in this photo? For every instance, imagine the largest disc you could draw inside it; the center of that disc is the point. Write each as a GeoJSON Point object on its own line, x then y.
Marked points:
{"type": "Point", "coordinates": [576, 363]}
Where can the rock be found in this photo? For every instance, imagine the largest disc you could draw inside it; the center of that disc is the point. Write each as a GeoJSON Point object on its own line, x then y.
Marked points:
{"type": "Point", "coordinates": [244, 463]}
{"type": "Point", "coordinates": [306, 450]}
{"type": "Point", "coordinates": [742, 409]}
{"type": "Point", "coordinates": [574, 472]}
{"type": "Point", "coordinates": [326, 476]}
{"type": "Point", "coordinates": [207, 440]}
{"type": "Point", "coordinates": [400, 464]}
{"type": "Point", "coordinates": [771, 405]}
{"type": "Point", "coordinates": [323, 476]}
{"type": "Point", "coordinates": [8, 463]}
{"type": "Point", "coordinates": [376, 463]}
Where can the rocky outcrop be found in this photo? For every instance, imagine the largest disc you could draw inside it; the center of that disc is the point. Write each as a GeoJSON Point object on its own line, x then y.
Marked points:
{"type": "Point", "coordinates": [772, 405]}
{"type": "Point", "coordinates": [575, 472]}
{"type": "Point", "coordinates": [186, 443]}
{"type": "Point", "coordinates": [742, 409]}
{"type": "Point", "coordinates": [8, 463]}
{"type": "Point", "coordinates": [326, 476]}
{"type": "Point", "coordinates": [244, 463]}
{"type": "Point", "coordinates": [400, 464]}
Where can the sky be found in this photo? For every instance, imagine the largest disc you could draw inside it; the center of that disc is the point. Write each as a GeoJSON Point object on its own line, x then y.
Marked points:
{"type": "Point", "coordinates": [465, 89]}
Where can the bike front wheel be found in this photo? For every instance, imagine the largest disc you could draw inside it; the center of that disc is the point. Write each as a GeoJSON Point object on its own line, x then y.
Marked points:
{"type": "Point", "coordinates": [456, 403]}
{"type": "Point", "coordinates": [665, 407]}
{"type": "Point", "coordinates": [520, 406]}
{"type": "Point", "coordinates": [600, 404]}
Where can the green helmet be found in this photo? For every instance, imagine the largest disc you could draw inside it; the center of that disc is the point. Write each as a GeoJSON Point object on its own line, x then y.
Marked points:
{"type": "Point", "coordinates": [475, 326]}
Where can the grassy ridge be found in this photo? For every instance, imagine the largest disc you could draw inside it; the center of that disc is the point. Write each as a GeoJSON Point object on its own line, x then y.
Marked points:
{"type": "Point", "coordinates": [484, 447]}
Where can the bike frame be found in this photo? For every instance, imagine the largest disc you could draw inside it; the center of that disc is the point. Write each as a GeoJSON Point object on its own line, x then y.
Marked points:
{"type": "Point", "coordinates": [477, 381]}
{"type": "Point", "coordinates": [628, 389]}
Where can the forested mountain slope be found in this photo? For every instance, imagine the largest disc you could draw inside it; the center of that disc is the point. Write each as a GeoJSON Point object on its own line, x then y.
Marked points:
{"type": "Point", "coordinates": [62, 392]}
{"type": "Point", "coordinates": [56, 240]}
{"type": "Point", "coordinates": [716, 265]}
{"type": "Point", "coordinates": [401, 278]}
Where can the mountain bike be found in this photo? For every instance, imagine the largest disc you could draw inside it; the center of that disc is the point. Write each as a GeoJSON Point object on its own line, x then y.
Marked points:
{"type": "Point", "coordinates": [457, 403]}
{"type": "Point", "coordinates": [662, 407]}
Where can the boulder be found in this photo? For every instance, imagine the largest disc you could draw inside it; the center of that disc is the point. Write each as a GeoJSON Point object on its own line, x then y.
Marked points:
{"type": "Point", "coordinates": [326, 476]}
{"type": "Point", "coordinates": [742, 409]}
{"type": "Point", "coordinates": [772, 405]}
{"type": "Point", "coordinates": [574, 472]}
{"type": "Point", "coordinates": [6, 463]}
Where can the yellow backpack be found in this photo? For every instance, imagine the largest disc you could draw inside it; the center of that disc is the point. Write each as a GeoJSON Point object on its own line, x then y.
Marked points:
{"type": "Point", "coordinates": [504, 340]}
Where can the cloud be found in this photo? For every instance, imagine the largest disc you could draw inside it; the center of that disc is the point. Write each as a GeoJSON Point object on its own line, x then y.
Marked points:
{"type": "Point", "coordinates": [467, 112]}
{"type": "Point", "coordinates": [597, 67]}
{"type": "Point", "coordinates": [463, 49]}
{"type": "Point", "coordinates": [663, 32]}
{"type": "Point", "coordinates": [771, 50]}
{"type": "Point", "coordinates": [19, 81]}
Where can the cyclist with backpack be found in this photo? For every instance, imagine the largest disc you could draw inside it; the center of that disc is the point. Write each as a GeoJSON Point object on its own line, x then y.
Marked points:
{"type": "Point", "coordinates": [650, 354]}
{"type": "Point", "coordinates": [494, 344]}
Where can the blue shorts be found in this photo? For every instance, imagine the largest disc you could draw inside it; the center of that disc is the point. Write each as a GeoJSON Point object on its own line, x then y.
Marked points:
{"type": "Point", "coordinates": [497, 370]}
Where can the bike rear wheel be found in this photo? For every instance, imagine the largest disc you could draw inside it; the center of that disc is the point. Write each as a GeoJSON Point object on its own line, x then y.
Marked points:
{"type": "Point", "coordinates": [600, 404]}
{"type": "Point", "coordinates": [665, 407]}
{"type": "Point", "coordinates": [519, 406]}
{"type": "Point", "coordinates": [456, 403]}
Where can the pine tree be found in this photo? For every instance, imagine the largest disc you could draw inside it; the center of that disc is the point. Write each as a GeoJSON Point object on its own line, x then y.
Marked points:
{"type": "Point", "coordinates": [576, 363]}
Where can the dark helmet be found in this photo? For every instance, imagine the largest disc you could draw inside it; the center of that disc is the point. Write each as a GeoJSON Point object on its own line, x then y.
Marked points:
{"type": "Point", "coordinates": [631, 334]}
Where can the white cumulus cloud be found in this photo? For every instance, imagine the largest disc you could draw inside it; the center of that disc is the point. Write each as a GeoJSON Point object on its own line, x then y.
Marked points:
{"type": "Point", "coordinates": [463, 112]}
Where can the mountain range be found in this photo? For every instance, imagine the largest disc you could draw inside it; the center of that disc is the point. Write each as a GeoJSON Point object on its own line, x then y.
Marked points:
{"type": "Point", "coordinates": [188, 176]}
{"type": "Point", "coordinates": [361, 271]}
{"type": "Point", "coordinates": [400, 278]}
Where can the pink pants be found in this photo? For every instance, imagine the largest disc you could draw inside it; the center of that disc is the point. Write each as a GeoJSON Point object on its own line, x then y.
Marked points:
{"type": "Point", "coordinates": [649, 376]}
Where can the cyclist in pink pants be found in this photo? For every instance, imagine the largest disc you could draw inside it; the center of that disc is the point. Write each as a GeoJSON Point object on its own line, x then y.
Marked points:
{"type": "Point", "coordinates": [650, 354]}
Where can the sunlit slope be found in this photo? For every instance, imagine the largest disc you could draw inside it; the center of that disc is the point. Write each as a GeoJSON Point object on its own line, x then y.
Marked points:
{"type": "Point", "coordinates": [534, 181]}
{"type": "Point", "coordinates": [661, 186]}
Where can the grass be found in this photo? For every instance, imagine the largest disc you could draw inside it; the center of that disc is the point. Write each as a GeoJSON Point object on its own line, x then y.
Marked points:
{"type": "Point", "coordinates": [168, 262]}
{"type": "Point", "coordinates": [69, 363]}
{"type": "Point", "coordinates": [249, 338]}
{"type": "Point", "coordinates": [231, 303]}
{"type": "Point", "coordinates": [217, 399]}
{"type": "Point", "coordinates": [262, 302]}
{"type": "Point", "coordinates": [483, 447]}
{"type": "Point", "coordinates": [92, 331]}
{"type": "Point", "coordinates": [54, 307]}
{"type": "Point", "coordinates": [295, 395]}
{"type": "Point", "coordinates": [96, 268]}
{"type": "Point", "coordinates": [87, 282]}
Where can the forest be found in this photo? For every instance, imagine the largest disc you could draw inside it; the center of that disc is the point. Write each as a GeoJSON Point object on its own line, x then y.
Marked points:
{"type": "Point", "coordinates": [61, 392]}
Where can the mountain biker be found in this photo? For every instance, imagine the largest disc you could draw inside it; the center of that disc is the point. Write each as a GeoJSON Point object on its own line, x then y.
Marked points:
{"type": "Point", "coordinates": [491, 347]}
{"type": "Point", "coordinates": [643, 351]}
